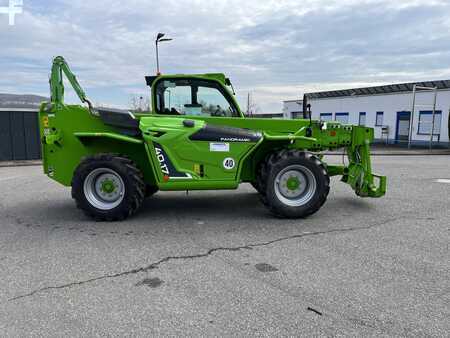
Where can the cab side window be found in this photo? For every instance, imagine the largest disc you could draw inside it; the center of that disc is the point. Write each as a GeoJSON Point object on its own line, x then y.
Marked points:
{"type": "Point", "coordinates": [213, 103]}
{"type": "Point", "coordinates": [194, 98]}
{"type": "Point", "coordinates": [176, 99]}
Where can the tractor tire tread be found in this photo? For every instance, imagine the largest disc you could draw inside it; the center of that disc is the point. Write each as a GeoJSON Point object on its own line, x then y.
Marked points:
{"type": "Point", "coordinates": [267, 166]}
{"type": "Point", "coordinates": [133, 180]}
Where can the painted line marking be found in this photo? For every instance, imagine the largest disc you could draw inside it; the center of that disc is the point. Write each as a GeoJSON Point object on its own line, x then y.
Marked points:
{"type": "Point", "coordinates": [443, 180]}
{"type": "Point", "coordinates": [15, 177]}
{"type": "Point", "coordinates": [9, 178]}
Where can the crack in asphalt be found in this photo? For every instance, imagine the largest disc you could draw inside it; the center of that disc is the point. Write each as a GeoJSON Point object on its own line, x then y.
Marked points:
{"type": "Point", "coordinates": [309, 308]}
{"type": "Point", "coordinates": [166, 259]}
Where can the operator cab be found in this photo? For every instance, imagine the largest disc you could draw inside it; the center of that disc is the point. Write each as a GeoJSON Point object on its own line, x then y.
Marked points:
{"type": "Point", "coordinates": [192, 96]}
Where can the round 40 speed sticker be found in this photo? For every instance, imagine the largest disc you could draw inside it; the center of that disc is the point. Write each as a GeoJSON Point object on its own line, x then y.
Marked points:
{"type": "Point", "coordinates": [229, 163]}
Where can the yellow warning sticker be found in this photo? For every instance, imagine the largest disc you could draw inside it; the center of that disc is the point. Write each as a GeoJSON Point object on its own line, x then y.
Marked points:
{"type": "Point", "coordinates": [45, 121]}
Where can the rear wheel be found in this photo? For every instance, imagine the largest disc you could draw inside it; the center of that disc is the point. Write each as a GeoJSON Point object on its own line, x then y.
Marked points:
{"type": "Point", "coordinates": [295, 183]}
{"type": "Point", "coordinates": [108, 187]}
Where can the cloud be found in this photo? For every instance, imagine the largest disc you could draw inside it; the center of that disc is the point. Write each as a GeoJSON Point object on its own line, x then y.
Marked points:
{"type": "Point", "coordinates": [275, 49]}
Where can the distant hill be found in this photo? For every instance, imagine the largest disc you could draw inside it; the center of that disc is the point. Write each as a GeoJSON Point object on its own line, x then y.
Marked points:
{"type": "Point", "coordinates": [21, 101]}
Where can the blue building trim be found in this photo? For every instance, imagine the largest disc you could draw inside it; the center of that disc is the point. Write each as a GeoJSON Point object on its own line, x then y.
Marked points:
{"type": "Point", "coordinates": [399, 115]}
{"type": "Point", "coordinates": [326, 114]}
{"type": "Point", "coordinates": [336, 115]}
{"type": "Point", "coordinates": [379, 113]}
{"type": "Point", "coordinates": [362, 113]}
{"type": "Point", "coordinates": [430, 112]}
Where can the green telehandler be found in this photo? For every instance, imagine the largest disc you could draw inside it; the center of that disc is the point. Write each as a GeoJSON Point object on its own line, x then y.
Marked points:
{"type": "Point", "coordinates": [194, 137]}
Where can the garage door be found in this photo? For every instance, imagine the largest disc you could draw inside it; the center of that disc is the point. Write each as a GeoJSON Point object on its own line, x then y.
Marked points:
{"type": "Point", "coordinates": [19, 136]}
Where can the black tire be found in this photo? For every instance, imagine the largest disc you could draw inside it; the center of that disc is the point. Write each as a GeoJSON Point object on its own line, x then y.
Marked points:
{"type": "Point", "coordinates": [261, 178]}
{"type": "Point", "coordinates": [121, 169]}
{"type": "Point", "coordinates": [256, 186]}
{"type": "Point", "coordinates": [307, 170]}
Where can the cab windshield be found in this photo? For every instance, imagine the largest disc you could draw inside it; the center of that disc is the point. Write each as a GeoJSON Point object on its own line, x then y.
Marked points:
{"type": "Point", "coordinates": [193, 97]}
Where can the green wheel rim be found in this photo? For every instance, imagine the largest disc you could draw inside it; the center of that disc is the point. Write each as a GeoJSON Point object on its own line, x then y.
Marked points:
{"type": "Point", "coordinates": [295, 185]}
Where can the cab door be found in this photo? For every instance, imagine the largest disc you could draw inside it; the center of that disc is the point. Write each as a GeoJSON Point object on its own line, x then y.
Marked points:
{"type": "Point", "coordinates": [206, 151]}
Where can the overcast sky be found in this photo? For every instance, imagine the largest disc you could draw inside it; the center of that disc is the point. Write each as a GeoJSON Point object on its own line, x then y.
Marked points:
{"type": "Point", "coordinates": [275, 49]}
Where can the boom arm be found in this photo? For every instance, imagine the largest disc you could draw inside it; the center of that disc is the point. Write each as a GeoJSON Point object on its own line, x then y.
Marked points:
{"type": "Point", "coordinates": [319, 136]}
{"type": "Point", "coordinates": [59, 68]}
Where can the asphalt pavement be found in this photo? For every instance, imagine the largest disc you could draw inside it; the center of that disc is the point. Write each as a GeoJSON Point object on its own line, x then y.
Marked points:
{"type": "Point", "coordinates": [216, 263]}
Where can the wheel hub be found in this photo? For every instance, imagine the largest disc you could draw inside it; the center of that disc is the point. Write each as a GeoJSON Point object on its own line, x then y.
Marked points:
{"type": "Point", "coordinates": [104, 188]}
{"type": "Point", "coordinates": [292, 183]}
{"type": "Point", "coordinates": [295, 185]}
{"type": "Point", "coordinates": [107, 186]}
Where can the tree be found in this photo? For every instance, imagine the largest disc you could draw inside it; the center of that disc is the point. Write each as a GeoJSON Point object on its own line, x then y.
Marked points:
{"type": "Point", "coordinates": [252, 107]}
{"type": "Point", "coordinates": [139, 103]}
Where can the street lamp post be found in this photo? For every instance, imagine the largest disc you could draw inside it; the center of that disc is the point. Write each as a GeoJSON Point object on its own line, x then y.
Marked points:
{"type": "Point", "coordinates": [159, 38]}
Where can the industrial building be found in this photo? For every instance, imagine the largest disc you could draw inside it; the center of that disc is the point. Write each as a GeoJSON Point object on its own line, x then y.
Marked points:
{"type": "Point", "coordinates": [19, 129]}
{"type": "Point", "coordinates": [387, 109]}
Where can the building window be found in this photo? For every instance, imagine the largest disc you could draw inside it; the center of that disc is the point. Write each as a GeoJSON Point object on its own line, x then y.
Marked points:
{"type": "Point", "coordinates": [297, 114]}
{"type": "Point", "coordinates": [426, 121]}
{"type": "Point", "coordinates": [379, 120]}
{"type": "Point", "coordinates": [326, 116]}
{"type": "Point", "coordinates": [362, 118]}
{"type": "Point", "coordinates": [341, 117]}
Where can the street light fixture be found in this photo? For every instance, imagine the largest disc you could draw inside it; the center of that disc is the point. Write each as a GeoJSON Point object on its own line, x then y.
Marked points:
{"type": "Point", "coordinates": [159, 38]}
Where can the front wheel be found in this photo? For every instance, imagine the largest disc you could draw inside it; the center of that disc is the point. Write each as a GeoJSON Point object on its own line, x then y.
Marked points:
{"type": "Point", "coordinates": [296, 183]}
